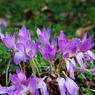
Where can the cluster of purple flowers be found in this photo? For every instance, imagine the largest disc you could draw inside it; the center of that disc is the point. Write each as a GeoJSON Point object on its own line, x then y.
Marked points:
{"type": "Point", "coordinates": [23, 86]}
{"type": "Point", "coordinates": [74, 53]}
{"type": "Point", "coordinates": [24, 48]}
{"type": "Point", "coordinates": [20, 85]}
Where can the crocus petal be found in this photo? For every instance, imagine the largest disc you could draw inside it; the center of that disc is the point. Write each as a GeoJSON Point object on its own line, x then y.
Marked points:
{"type": "Point", "coordinates": [20, 47]}
{"type": "Point", "coordinates": [79, 57]}
{"type": "Point", "coordinates": [38, 31]}
{"type": "Point", "coordinates": [84, 37]}
{"type": "Point", "coordinates": [61, 41]}
{"type": "Point", "coordinates": [70, 68]}
{"type": "Point", "coordinates": [9, 41]}
{"type": "Point", "coordinates": [14, 79]}
{"type": "Point", "coordinates": [44, 35]}
{"type": "Point", "coordinates": [18, 57]}
{"type": "Point", "coordinates": [92, 71]}
{"type": "Point", "coordinates": [43, 87]}
{"type": "Point", "coordinates": [67, 65]}
{"type": "Point", "coordinates": [22, 39]}
{"type": "Point", "coordinates": [24, 32]}
{"type": "Point", "coordinates": [71, 71]}
{"type": "Point", "coordinates": [61, 84]}
{"type": "Point", "coordinates": [91, 54]}
{"type": "Point", "coordinates": [1, 35]}
{"type": "Point", "coordinates": [2, 90]}
{"type": "Point", "coordinates": [86, 45]}
{"type": "Point", "coordinates": [21, 76]}
{"type": "Point", "coordinates": [71, 87]}
{"type": "Point", "coordinates": [31, 82]}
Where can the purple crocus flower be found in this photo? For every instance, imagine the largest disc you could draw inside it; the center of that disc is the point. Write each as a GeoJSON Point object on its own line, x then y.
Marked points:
{"type": "Point", "coordinates": [71, 66]}
{"type": "Point", "coordinates": [44, 36]}
{"type": "Point", "coordinates": [18, 78]}
{"type": "Point", "coordinates": [8, 40]}
{"type": "Point", "coordinates": [71, 87]}
{"type": "Point", "coordinates": [25, 47]}
{"type": "Point", "coordinates": [61, 42]}
{"type": "Point", "coordinates": [67, 87]}
{"type": "Point", "coordinates": [61, 84]}
{"type": "Point", "coordinates": [75, 51]}
{"type": "Point", "coordinates": [22, 86]}
{"type": "Point", "coordinates": [24, 32]}
{"type": "Point", "coordinates": [20, 54]}
{"type": "Point", "coordinates": [48, 51]}
{"type": "Point", "coordinates": [25, 51]}
{"type": "Point", "coordinates": [42, 86]}
{"type": "Point", "coordinates": [31, 48]}
{"type": "Point", "coordinates": [30, 87]}
{"type": "Point", "coordinates": [87, 43]}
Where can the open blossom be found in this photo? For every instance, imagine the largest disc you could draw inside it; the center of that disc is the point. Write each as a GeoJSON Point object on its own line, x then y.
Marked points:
{"type": "Point", "coordinates": [25, 51]}
{"type": "Point", "coordinates": [18, 78]}
{"type": "Point", "coordinates": [8, 40]}
{"type": "Point", "coordinates": [48, 51]}
{"type": "Point", "coordinates": [44, 36]}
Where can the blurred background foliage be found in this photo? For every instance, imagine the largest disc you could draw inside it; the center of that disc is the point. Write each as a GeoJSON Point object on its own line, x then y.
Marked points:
{"type": "Point", "coordinates": [66, 15]}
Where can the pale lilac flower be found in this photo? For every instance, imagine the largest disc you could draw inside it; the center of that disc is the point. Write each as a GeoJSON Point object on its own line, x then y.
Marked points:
{"type": "Point", "coordinates": [71, 87]}
{"type": "Point", "coordinates": [44, 36]}
{"type": "Point", "coordinates": [71, 66]}
{"type": "Point", "coordinates": [79, 58]}
{"type": "Point", "coordinates": [91, 54]}
{"type": "Point", "coordinates": [67, 87]}
{"type": "Point", "coordinates": [61, 84]}
{"type": "Point", "coordinates": [42, 86]}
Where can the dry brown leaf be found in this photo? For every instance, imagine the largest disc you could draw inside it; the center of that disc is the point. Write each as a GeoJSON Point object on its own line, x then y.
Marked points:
{"type": "Point", "coordinates": [81, 31]}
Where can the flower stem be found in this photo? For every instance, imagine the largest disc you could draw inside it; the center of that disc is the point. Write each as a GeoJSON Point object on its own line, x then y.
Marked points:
{"type": "Point", "coordinates": [35, 65]}
{"type": "Point", "coordinates": [20, 67]}
{"type": "Point", "coordinates": [64, 74]}
{"type": "Point", "coordinates": [24, 67]}
{"type": "Point", "coordinates": [32, 67]}
{"type": "Point", "coordinates": [7, 72]}
{"type": "Point", "coordinates": [38, 64]}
